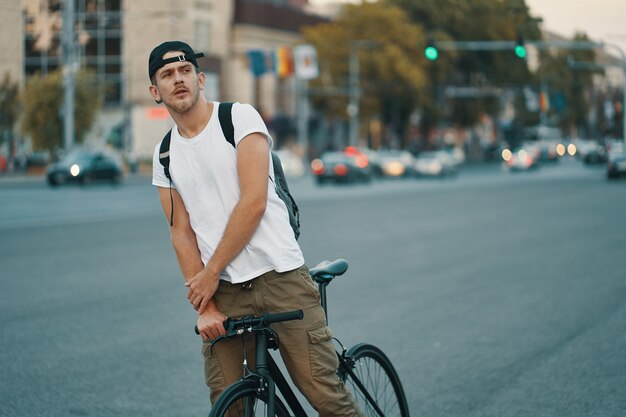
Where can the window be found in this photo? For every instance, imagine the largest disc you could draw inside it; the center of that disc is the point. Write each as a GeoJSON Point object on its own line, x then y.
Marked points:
{"type": "Point", "coordinates": [203, 36]}
{"type": "Point", "coordinates": [99, 37]}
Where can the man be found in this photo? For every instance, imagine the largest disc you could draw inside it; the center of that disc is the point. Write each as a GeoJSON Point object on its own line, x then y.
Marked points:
{"type": "Point", "coordinates": [232, 237]}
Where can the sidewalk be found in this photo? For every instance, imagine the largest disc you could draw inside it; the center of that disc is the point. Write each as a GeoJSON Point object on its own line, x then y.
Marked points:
{"type": "Point", "coordinates": [21, 177]}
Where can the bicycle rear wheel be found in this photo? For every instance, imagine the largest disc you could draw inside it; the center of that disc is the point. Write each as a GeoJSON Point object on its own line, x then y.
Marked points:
{"type": "Point", "coordinates": [375, 380]}
{"type": "Point", "coordinates": [242, 399]}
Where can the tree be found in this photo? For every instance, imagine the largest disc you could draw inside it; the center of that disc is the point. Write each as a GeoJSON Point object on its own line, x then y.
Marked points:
{"type": "Point", "coordinates": [9, 107]}
{"type": "Point", "coordinates": [43, 98]}
{"type": "Point", "coordinates": [484, 20]}
{"type": "Point", "coordinates": [392, 75]}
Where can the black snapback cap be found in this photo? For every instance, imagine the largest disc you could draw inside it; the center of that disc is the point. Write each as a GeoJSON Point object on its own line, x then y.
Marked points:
{"type": "Point", "coordinates": [156, 60]}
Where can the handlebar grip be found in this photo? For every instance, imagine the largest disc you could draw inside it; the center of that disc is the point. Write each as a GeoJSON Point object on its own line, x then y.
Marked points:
{"type": "Point", "coordinates": [290, 315]}
{"type": "Point", "coordinates": [226, 323]}
{"type": "Point", "coordinates": [267, 318]}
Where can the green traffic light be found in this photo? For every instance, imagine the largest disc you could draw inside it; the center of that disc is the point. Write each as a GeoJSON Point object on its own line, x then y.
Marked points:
{"type": "Point", "coordinates": [520, 51]}
{"type": "Point", "coordinates": [431, 53]}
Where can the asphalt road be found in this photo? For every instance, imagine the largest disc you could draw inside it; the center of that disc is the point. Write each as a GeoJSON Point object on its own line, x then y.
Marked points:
{"type": "Point", "coordinates": [495, 294]}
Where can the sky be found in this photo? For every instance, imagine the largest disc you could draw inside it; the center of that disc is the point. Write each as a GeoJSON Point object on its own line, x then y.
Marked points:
{"type": "Point", "coordinates": [602, 20]}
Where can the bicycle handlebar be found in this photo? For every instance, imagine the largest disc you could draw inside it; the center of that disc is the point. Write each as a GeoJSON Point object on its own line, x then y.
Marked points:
{"type": "Point", "coordinates": [232, 325]}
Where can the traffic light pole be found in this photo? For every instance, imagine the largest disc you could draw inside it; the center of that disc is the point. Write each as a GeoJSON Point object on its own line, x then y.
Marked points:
{"type": "Point", "coordinates": [550, 44]}
{"type": "Point", "coordinates": [355, 90]}
{"type": "Point", "coordinates": [623, 57]}
{"type": "Point", "coordinates": [69, 73]}
{"type": "Point", "coordinates": [510, 45]}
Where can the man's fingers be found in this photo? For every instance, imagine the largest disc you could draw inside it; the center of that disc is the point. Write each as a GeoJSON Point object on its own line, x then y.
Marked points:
{"type": "Point", "coordinates": [203, 305]}
{"type": "Point", "coordinates": [221, 329]}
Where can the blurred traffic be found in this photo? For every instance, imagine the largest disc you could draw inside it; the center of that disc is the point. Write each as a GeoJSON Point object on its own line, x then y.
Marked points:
{"type": "Point", "coordinates": [84, 167]}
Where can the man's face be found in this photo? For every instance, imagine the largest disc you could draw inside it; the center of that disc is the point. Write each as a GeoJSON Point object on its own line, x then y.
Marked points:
{"type": "Point", "coordinates": [177, 84]}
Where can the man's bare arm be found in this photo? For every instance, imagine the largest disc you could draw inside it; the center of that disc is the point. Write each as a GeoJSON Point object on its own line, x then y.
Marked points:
{"type": "Point", "coordinates": [210, 324]}
{"type": "Point", "coordinates": [182, 235]}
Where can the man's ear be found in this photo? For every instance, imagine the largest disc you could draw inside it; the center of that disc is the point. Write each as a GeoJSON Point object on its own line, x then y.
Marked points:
{"type": "Point", "coordinates": [154, 92]}
{"type": "Point", "coordinates": [201, 80]}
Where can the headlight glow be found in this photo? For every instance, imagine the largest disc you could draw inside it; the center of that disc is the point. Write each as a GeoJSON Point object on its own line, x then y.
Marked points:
{"type": "Point", "coordinates": [74, 170]}
{"type": "Point", "coordinates": [571, 149]}
{"type": "Point", "coordinates": [395, 168]}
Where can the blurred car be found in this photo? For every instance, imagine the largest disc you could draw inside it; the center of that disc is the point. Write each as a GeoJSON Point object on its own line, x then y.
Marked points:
{"type": "Point", "coordinates": [616, 166]}
{"type": "Point", "coordinates": [435, 164]}
{"type": "Point", "coordinates": [339, 167]}
{"type": "Point", "coordinates": [292, 164]}
{"type": "Point", "coordinates": [524, 159]}
{"type": "Point", "coordinates": [548, 151]}
{"type": "Point", "coordinates": [591, 152]}
{"type": "Point", "coordinates": [84, 167]}
{"type": "Point", "coordinates": [396, 163]}
{"type": "Point", "coordinates": [372, 156]}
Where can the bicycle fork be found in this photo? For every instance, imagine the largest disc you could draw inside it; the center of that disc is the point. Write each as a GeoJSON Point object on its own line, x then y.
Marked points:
{"type": "Point", "coordinates": [266, 383]}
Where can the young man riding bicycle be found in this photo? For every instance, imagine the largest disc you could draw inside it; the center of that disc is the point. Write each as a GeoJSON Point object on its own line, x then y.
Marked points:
{"type": "Point", "coordinates": [232, 236]}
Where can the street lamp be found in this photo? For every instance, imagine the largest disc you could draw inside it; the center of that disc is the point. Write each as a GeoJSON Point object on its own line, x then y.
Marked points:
{"type": "Point", "coordinates": [623, 57]}
{"type": "Point", "coordinates": [355, 92]}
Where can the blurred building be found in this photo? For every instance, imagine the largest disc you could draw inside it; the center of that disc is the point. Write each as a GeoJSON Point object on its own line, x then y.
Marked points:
{"type": "Point", "coordinates": [11, 51]}
{"type": "Point", "coordinates": [115, 37]}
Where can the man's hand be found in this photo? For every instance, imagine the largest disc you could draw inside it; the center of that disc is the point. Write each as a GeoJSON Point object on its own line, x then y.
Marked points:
{"type": "Point", "coordinates": [202, 287]}
{"type": "Point", "coordinates": [211, 323]}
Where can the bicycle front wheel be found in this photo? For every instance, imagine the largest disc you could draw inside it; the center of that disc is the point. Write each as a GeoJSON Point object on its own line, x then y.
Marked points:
{"type": "Point", "coordinates": [374, 383]}
{"type": "Point", "coordinates": [242, 399]}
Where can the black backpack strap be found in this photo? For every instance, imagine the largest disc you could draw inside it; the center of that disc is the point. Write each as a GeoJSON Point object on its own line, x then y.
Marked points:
{"type": "Point", "coordinates": [164, 154]}
{"type": "Point", "coordinates": [164, 159]}
{"type": "Point", "coordinates": [224, 112]}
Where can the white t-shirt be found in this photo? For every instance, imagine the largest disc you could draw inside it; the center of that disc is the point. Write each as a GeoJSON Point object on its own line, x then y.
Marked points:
{"type": "Point", "coordinates": [204, 172]}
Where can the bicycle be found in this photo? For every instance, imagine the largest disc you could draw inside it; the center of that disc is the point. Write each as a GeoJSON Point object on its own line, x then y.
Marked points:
{"type": "Point", "coordinates": [365, 369]}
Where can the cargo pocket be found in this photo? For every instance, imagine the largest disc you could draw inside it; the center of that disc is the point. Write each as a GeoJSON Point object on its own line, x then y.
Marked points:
{"type": "Point", "coordinates": [213, 374]}
{"type": "Point", "coordinates": [322, 353]}
{"type": "Point", "coordinates": [311, 288]}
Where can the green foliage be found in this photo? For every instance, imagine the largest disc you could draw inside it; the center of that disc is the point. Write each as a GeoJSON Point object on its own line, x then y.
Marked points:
{"type": "Point", "coordinates": [42, 118]}
{"type": "Point", "coordinates": [9, 106]}
{"type": "Point", "coordinates": [392, 68]}
{"type": "Point", "coordinates": [483, 20]}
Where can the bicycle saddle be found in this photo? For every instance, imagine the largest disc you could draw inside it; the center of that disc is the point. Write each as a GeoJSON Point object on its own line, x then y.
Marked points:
{"type": "Point", "coordinates": [325, 271]}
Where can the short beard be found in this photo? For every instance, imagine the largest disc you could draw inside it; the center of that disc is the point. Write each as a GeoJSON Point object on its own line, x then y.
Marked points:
{"type": "Point", "coordinates": [184, 106]}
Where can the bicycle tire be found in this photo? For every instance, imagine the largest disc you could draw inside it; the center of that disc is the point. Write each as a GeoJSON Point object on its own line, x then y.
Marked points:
{"type": "Point", "coordinates": [242, 399]}
{"type": "Point", "coordinates": [379, 378]}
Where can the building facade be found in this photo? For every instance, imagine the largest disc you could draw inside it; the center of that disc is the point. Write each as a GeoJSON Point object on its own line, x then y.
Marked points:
{"type": "Point", "coordinates": [114, 38]}
{"type": "Point", "coordinates": [11, 51]}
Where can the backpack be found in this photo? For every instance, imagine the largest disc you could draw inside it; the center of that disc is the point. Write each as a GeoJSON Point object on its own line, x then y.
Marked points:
{"type": "Point", "coordinates": [280, 182]}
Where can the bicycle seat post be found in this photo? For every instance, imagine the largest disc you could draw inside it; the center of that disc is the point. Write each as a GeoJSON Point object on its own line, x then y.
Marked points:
{"type": "Point", "coordinates": [322, 289]}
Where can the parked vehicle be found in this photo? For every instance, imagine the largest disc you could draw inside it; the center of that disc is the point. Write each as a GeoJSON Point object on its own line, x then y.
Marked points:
{"type": "Point", "coordinates": [616, 166]}
{"type": "Point", "coordinates": [339, 167]}
{"type": "Point", "coordinates": [84, 167]}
